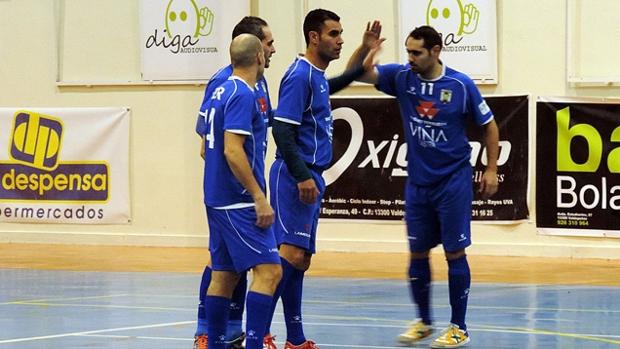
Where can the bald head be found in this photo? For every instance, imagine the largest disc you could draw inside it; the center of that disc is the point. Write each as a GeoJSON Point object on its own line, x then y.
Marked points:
{"type": "Point", "coordinates": [243, 50]}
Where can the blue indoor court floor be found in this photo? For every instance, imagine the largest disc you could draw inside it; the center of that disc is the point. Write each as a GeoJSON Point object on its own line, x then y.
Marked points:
{"type": "Point", "coordinates": [65, 309]}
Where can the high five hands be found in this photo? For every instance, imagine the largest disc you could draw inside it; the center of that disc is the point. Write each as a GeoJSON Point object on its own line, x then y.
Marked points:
{"type": "Point", "coordinates": [372, 41]}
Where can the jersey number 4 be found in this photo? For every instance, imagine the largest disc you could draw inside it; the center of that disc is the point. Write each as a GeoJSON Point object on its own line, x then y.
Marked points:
{"type": "Point", "coordinates": [209, 137]}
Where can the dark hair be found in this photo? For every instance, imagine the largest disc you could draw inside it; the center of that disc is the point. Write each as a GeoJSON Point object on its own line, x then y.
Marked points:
{"type": "Point", "coordinates": [314, 21]}
{"type": "Point", "coordinates": [250, 25]}
{"type": "Point", "coordinates": [430, 36]}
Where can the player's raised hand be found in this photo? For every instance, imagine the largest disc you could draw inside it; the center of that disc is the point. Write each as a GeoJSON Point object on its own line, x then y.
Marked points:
{"type": "Point", "coordinates": [264, 212]}
{"type": "Point", "coordinates": [308, 192]}
{"type": "Point", "coordinates": [370, 61]}
{"type": "Point", "coordinates": [372, 35]}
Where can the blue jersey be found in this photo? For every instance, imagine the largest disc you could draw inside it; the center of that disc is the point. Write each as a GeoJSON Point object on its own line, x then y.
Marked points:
{"type": "Point", "coordinates": [233, 108]}
{"type": "Point", "coordinates": [304, 101]}
{"type": "Point", "coordinates": [434, 114]}
{"type": "Point", "coordinates": [261, 91]}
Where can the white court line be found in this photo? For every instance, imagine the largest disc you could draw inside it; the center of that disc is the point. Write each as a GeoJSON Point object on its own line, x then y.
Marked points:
{"type": "Point", "coordinates": [64, 299]}
{"type": "Point", "coordinates": [538, 332]}
{"type": "Point", "coordinates": [139, 337]}
{"type": "Point", "coordinates": [111, 306]}
{"type": "Point", "coordinates": [586, 337]}
{"type": "Point", "coordinates": [157, 295]}
{"type": "Point", "coordinates": [277, 342]}
{"type": "Point", "coordinates": [27, 339]}
{"type": "Point", "coordinates": [441, 325]}
{"type": "Point", "coordinates": [496, 329]}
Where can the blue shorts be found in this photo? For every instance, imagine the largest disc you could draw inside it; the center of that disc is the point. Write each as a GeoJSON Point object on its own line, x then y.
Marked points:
{"type": "Point", "coordinates": [236, 243]}
{"type": "Point", "coordinates": [296, 222]}
{"type": "Point", "coordinates": [440, 213]}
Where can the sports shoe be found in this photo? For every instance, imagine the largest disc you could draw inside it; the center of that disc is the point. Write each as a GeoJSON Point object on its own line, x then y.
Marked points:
{"type": "Point", "coordinates": [268, 342]}
{"type": "Point", "coordinates": [201, 342]}
{"type": "Point", "coordinates": [416, 332]}
{"type": "Point", "coordinates": [237, 343]}
{"type": "Point", "coordinates": [304, 345]}
{"type": "Point", "coordinates": [451, 337]}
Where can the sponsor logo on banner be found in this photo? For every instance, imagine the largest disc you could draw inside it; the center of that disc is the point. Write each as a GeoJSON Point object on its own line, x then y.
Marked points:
{"type": "Point", "coordinates": [368, 173]}
{"type": "Point", "coordinates": [35, 171]}
{"type": "Point", "coordinates": [468, 31]}
{"type": "Point", "coordinates": [183, 25]}
{"type": "Point", "coordinates": [178, 36]}
{"type": "Point", "coordinates": [580, 190]}
{"type": "Point", "coordinates": [453, 19]}
{"type": "Point", "coordinates": [57, 165]}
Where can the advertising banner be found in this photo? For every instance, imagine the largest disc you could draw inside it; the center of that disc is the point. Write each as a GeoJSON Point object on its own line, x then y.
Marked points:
{"type": "Point", "coordinates": [187, 39]}
{"type": "Point", "coordinates": [64, 165]}
{"type": "Point", "coordinates": [368, 174]}
{"type": "Point", "coordinates": [578, 167]}
{"type": "Point", "coordinates": [468, 29]}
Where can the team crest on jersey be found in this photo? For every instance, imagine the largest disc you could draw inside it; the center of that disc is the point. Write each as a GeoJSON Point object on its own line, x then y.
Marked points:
{"type": "Point", "coordinates": [445, 96]}
{"type": "Point", "coordinates": [425, 109]}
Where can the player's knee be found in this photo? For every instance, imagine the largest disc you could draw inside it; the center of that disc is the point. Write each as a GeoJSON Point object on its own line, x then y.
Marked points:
{"type": "Point", "coordinates": [306, 262]}
{"type": "Point", "coordinates": [272, 276]}
{"type": "Point", "coordinates": [222, 284]}
{"type": "Point", "coordinates": [299, 262]}
{"type": "Point", "coordinates": [452, 255]}
{"type": "Point", "coordinates": [419, 254]}
{"type": "Point", "coordinates": [297, 257]}
{"type": "Point", "coordinates": [267, 277]}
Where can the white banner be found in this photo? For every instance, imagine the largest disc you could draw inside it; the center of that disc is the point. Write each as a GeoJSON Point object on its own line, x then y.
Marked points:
{"type": "Point", "coordinates": [187, 39]}
{"type": "Point", "coordinates": [468, 29]}
{"type": "Point", "coordinates": [64, 165]}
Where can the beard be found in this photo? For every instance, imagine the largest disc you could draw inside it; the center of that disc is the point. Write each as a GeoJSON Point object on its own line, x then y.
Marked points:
{"type": "Point", "coordinates": [417, 69]}
{"type": "Point", "coordinates": [267, 61]}
{"type": "Point", "coordinates": [328, 57]}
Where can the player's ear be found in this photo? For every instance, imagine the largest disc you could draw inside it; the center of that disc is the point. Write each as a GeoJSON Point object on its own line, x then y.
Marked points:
{"type": "Point", "coordinates": [314, 37]}
{"type": "Point", "coordinates": [435, 50]}
{"type": "Point", "coordinates": [260, 58]}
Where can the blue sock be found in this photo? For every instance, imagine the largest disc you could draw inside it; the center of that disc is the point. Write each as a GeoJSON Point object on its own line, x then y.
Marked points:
{"type": "Point", "coordinates": [259, 306]}
{"type": "Point", "coordinates": [287, 268]}
{"type": "Point", "coordinates": [420, 285]}
{"type": "Point", "coordinates": [459, 280]}
{"type": "Point", "coordinates": [217, 309]}
{"type": "Point", "coordinates": [201, 327]}
{"type": "Point", "coordinates": [291, 302]}
{"type": "Point", "coordinates": [237, 305]}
